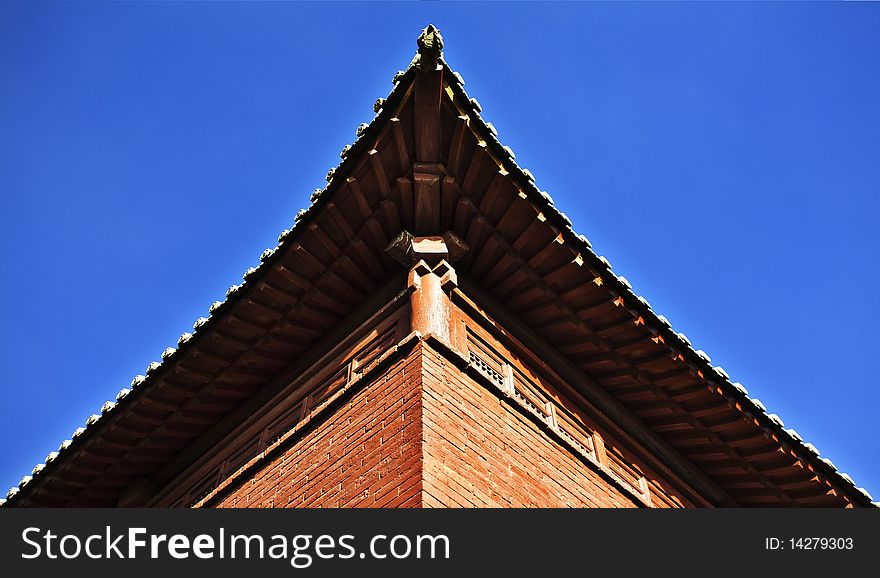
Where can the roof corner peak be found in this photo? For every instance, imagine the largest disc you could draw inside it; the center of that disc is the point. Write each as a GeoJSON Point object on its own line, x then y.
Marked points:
{"type": "Point", "coordinates": [430, 44]}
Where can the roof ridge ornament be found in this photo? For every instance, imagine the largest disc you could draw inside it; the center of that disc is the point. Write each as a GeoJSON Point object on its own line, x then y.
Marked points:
{"type": "Point", "coordinates": [430, 44]}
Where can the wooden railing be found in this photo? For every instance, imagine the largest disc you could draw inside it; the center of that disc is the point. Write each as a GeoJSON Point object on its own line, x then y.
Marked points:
{"type": "Point", "coordinates": [515, 381]}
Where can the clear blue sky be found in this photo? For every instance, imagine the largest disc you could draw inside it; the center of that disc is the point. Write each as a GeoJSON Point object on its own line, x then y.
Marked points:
{"type": "Point", "coordinates": [724, 157]}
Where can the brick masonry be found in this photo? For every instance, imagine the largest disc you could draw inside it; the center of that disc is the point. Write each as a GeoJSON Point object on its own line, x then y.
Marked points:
{"type": "Point", "coordinates": [424, 434]}
{"type": "Point", "coordinates": [480, 451]}
{"type": "Point", "coordinates": [366, 453]}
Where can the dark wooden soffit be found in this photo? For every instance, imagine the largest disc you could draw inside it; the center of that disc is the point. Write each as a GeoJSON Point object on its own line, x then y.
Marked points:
{"type": "Point", "coordinates": [428, 163]}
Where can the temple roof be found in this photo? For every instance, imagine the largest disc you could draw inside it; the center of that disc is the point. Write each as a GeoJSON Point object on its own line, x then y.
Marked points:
{"type": "Point", "coordinates": [525, 257]}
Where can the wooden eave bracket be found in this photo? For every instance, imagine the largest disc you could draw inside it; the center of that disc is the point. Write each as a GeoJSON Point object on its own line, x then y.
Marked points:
{"type": "Point", "coordinates": [407, 249]}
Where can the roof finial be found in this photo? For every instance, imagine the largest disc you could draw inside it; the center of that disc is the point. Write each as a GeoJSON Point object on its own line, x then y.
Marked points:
{"type": "Point", "coordinates": [430, 45]}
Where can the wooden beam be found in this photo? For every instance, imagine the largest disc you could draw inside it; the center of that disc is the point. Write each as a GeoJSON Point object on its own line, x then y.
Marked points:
{"type": "Point", "coordinates": [388, 213]}
{"type": "Point", "coordinates": [379, 173]}
{"type": "Point", "coordinates": [339, 221]}
{"type": "Point", "coordinates": [351, 292]}
{"type": "Point", "coordinates": [476, 235]}
{"type": "Point", "coordinates": [274, 292]}
{"type": "Point", "coordinates": [360, 198]}
{"type": "Point", "coordinates": [370, 263]}
{"type": "Point", "coordinates": [355, 273]}
{"type": "Point", "coordinates": [500, 270]}
{"type": "Point", "coordinates": [400, 143]}
{"type": "Point", "coordinates": [307, 257]}
{"type": "Point", "coordinates": [473, 170]}
{"type": "Point", "coordinates": [292, 277]}
{"type": "Point", "coordinates": [457, 145]}
{"type": "Point", "coordinates": [487, 255]}
{"type": "Point", "coordinates": [448, 201]}
{"type": "Point", "coordinates": [426, 98]}
{"type": "Point", "coordinates": [464, 210]}
{"type": "Point", "coordinates": [403, 191]}
{"type": "Point", "coordinates": [427, 203]}
{"type": "Point", "coordinates": [490, 197]}
{"type": "Point", "coordinates": [536, 226]}
{"type": "Point", "coordinates": [325, 240]}
{"type": "Point", "coordinates": [262, 308]}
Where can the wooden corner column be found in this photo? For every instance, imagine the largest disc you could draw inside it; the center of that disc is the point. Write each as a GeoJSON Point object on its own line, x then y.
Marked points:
{"type": "Point", "coordinates": [431, 279]}
{"type": "Point", "coordinates": [431, 309]}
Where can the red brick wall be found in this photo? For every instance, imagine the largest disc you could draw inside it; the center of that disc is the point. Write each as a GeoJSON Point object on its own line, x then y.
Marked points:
{"type": "Point", "coordinates": [422, 433]}
{"type": "Point", "coordinates": [366, 453]}
{"type": "Point", "coordinates": [479, 451]}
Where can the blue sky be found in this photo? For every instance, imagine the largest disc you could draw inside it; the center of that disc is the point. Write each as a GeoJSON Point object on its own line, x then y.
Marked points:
{"type": "Point", "coordinates": [724, 157]}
